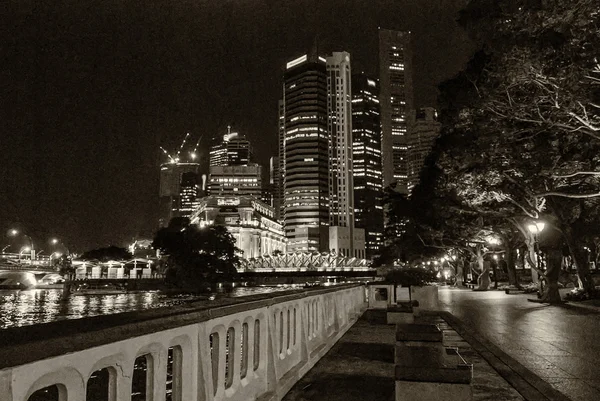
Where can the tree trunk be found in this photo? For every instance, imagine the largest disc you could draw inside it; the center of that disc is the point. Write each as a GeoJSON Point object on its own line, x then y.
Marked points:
{"type": "Point", "coordinates": [532, 258]}
{"type": "Point", "coordinates": [583, 268]}
{"type": "Point", "coordinates": [513, 279]}
{"type": "Point", "coordinates": [66, 292]}
{"type": "Point", "coordinates": [495, 270]}
{"type": "Point", "coordinates": [550, 293]}
{"type": "Point", "coordinates": [483, 281]}
{"type": "Point", "coordinates": [459, 272]}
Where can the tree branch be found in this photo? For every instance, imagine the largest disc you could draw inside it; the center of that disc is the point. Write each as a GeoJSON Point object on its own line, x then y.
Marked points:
{"type": "Point", "coordinates": [571, 196]}
{"type": "Point", "coordinates": [576, 174]}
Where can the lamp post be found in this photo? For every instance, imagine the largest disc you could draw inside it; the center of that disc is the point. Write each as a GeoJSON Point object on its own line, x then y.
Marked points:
{"type": "Point", "coordinates": [536, 228]}
{"type": "Point", "coordinates": [26, 249]}
{"type": "Point", "coordinates": [14, 232]}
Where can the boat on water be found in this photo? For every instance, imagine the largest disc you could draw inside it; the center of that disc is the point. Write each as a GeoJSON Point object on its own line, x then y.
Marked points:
{"type": "Point", "coordinates": [101, 289]}
{"type": "Point", "coordinates": [16, 280]}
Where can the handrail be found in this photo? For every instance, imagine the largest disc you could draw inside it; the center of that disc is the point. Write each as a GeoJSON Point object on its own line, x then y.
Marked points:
{"type": "Point", "coordinates": [21, 345]}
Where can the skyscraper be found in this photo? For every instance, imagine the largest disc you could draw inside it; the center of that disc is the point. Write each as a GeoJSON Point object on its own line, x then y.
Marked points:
{"type": "Point", "coordinates": [189, 193]}
{"type": "Point", "coordinates": [368, 188]}
{"type": "Point", "coordinates": [344, 238]}
{"type": "Point", "coordinates": [235, 150]}
{"type": "Point", "coordinates": [339, 128]}
{"type": "Point", "coordinates": [176, 189]}
{"type": "Point", "coordinates": [305, 158]}
{"type": "Point", "coordinates": [423, 130]}
{"type": "Point", "coordinates": [396, 99]}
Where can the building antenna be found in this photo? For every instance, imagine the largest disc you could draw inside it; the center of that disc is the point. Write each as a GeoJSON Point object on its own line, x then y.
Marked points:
{"type": "Point", "coordinates": [181, 147]}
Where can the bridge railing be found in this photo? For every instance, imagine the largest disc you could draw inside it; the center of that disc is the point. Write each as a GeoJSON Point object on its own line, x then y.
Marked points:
{"type": "Point", "coordinates": [244, 349]}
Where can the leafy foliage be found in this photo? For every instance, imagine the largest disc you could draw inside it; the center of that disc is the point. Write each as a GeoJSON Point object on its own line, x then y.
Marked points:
{"type": "Point", "coordinates": [197, 256]}
{"type": "Point", "coordinates": [106, 254]}
{"type": "Point", "coordinates": [409, 277]}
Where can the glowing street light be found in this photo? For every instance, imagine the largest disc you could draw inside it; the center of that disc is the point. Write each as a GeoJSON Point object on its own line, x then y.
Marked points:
{"type": "Point", "coordinates": [14, 232]}
{"type": "Point", "coordinates": [535, 228]}
{"type": "Point", "coordinates": [54, 241]}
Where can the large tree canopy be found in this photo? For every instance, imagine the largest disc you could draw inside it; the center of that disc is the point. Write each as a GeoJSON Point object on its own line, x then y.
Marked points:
{"type": "Point", "coordinates": [520, 134]}
{"type": "Point", "coordinates": [106, 254]}
{"type": "Point", "coordinates": [197, 256]}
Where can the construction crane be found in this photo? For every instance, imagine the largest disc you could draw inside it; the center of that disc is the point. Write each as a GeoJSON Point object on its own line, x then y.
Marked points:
{"type": "Point", "coordinates": [171, 159]}
{"type": "Point", "coordinates": [181, 147]}
{"type": "Point", "coordinates": [192, 155]}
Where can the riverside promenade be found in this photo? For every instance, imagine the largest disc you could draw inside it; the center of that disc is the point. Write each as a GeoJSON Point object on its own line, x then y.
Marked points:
{"type": "Point", "coordinates": [546, 352]}
{"type": "Point", "coordinates": [519, 351]}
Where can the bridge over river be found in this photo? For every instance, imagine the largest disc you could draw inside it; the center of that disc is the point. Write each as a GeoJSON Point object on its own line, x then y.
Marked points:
{"type": "Point", "coordinates": [253, 347]}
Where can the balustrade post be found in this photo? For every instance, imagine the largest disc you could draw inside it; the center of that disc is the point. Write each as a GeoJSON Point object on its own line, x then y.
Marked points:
{"type": "Point", "coordinates": [158, 375]}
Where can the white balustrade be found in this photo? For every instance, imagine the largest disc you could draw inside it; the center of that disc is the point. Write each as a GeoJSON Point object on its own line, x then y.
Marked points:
{"type": "Point", "coordinates": [245, 351]}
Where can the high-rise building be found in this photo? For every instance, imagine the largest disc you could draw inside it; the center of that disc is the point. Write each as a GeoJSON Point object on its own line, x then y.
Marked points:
{"type": "Point", "coordinates": [396, 99]}
{"type": "Point", "coordinates": [236, 180]}
{"type": "Point", "coordinates": [280, 185]}
{"type": "Point", "coordinates": [339, 128]}
{"type": "Point", "coordinates": [176, 192]}
{"type": "Point", "coordinates": [366, 136]}
{"type": "Point", "coordinates": [344, 238]}
{"type": "Point", "coordinates": [235, 150]}
{"type": "Point", "coordinates": [189, 193]}
{"type": "Point", "coordinates": [423, 130]}
{"type": "Point", "coordinates": [275, 186]}
{"type": "Point", "coordinates": [305, 154]}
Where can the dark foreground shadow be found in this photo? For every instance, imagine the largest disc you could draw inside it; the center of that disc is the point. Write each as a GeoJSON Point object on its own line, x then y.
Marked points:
{"type": "Point", "coordinates": [333, 387]}
{"type": "Point", "coordinates": [366, 351]}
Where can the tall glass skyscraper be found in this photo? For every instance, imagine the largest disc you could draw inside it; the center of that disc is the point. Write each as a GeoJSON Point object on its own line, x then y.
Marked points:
{"type": "Point", "coordinates": [305, 158]}
{"type": "Point", "coordinates": [366, 136]}
{"type": "Point", "coordinates": [396, 99]}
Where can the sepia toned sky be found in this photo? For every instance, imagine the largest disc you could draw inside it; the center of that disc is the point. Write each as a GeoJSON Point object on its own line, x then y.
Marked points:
{"type": "Point", "coordinates": [89, 90]}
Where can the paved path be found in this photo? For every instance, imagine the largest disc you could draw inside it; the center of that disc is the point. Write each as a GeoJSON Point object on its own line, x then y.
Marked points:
{"type": "Point", "coordinates": [360, 367]}
{"type": "Point", "coordinates": [560, 344]}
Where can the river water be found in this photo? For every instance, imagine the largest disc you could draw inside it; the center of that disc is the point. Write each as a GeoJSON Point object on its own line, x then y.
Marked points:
{"type": "Point", "coordinates": [27, 307]}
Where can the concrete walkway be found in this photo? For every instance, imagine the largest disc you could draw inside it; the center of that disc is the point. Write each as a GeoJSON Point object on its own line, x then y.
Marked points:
{"type": "Point", "coordinates": [361, 366]}
{"type": "Point", "coordinates": [552, 349]}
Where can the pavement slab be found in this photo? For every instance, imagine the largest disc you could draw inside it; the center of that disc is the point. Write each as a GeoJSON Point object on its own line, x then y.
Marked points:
{"type": "Point", "coordinates": [550, 347]}
{"type": "Point", "coordinates": [361, 366]}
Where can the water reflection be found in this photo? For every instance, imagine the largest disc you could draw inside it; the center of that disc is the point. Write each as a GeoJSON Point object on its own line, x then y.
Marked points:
{"type": "Point", "coordinates": [26, 307]}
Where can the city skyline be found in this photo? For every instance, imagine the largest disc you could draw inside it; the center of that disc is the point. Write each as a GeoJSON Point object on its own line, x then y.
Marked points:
{"type": "Point", "coordinates": [88, 136]}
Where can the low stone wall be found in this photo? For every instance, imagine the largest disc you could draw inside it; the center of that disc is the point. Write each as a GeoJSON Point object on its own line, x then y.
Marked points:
{"type": "Point", "coordinates": [243, 349]}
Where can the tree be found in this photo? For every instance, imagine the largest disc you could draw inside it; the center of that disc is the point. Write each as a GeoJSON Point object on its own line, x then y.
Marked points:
{"type": "Point", "coordinates": [107, 254]}
{"type": "Point", "coordinates": [67, 270]}
{"type": "Point", "coordinates": [197, 256]}
{"type": "Point", "coordinates": [528, 104]}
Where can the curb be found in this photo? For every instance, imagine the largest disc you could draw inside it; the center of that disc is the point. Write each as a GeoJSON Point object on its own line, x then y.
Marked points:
{"type": "Point", "coordinates": [584, 306]}
{"type": "Point", "coordinates": [527, 383]}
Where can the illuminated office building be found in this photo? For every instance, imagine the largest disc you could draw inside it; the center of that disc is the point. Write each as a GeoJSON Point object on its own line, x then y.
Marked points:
{"type": "Point", "coordinates": [234, 150]}
{"type": "Point", "coordinates": [180, 185]}
{"type": "Point", "coordinates": [396, 99]}
{"type": "Point", "coordinates": [423, 130]}
{"type": "Point", "coordinates": [368, 188]}
{"type": "Point", "coordinates": [236, 180]}
{"type": "Point", "coordinates": [316, 156]}
{"type": "Point", "coordinates": [305, 154]}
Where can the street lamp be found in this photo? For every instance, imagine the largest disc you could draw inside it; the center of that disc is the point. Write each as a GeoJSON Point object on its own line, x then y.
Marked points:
{"type": "Point", "coordinates": [535, 228]}
{"type": "Point", "coordinates": [14, 232]}
{"type": "Point", "coordinates": [26, 249]}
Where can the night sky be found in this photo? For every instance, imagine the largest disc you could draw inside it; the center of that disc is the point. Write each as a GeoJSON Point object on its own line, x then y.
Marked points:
{"type": "Point", "coordinates": [89, 90]}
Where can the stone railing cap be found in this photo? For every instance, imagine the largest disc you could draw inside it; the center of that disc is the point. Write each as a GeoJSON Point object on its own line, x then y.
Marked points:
{"type": "Point", "coordinates": [20, 345]}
